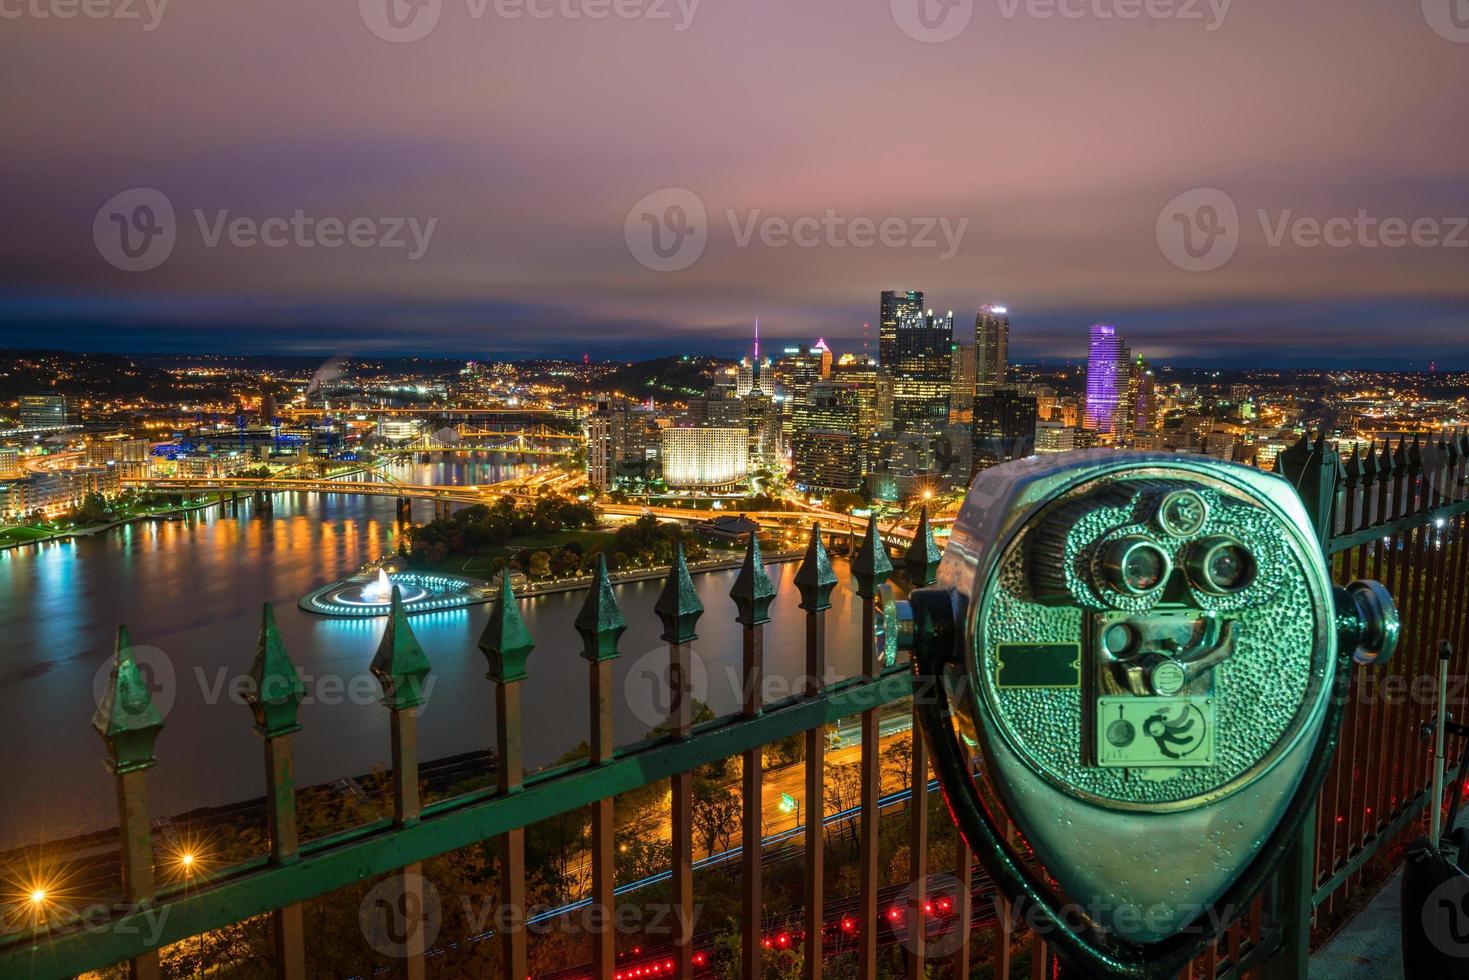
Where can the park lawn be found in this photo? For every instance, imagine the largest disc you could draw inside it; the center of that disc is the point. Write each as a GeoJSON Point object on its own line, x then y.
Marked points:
{"type": "Point", "coordinates": [24, 533]}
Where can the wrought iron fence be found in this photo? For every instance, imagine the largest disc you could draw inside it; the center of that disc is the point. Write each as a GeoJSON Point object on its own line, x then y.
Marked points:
{"type": "Point", "coordinates": [1399, 514]}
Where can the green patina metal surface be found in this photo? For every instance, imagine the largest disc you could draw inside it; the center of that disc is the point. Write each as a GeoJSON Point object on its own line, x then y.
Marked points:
{"type": "Point", "coordinates": [753, 592]}
{"type": "Point", "coordinates": [678, 606]}
{"type": "Point", "coordinates": [923, 556]}
{"type": "Point", "coordinates": [815, 579]}
{"type": "Point", "coordinates": [400, 664]}
{"type": "Point", "coordinates": [126, 718]}
{"type": "Point", "coordinates": [274, 690]}
{"type": "Point", "coordinates": [506, 642]}
{"type": "Point", "coordinates": [600, 622]}
{"type": "Point", "coordinates": [873, 567]}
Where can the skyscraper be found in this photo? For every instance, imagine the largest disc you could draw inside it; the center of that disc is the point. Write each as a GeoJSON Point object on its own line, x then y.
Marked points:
{"type": "Point", "coordinates": [895, 306]}
{"type": "Point", "coordinates": [962, 390]}
{"type": "Point", "coordinates": [1142, 396]}
{"type": "Point", "coordinates": [991, 348]}
{"type": "Point", "coordinates": [922, 375]}
{"type": "Point", "coordinates": [828, 452]}
{"type": "Point", "coordinates": [753, 374]}
{"type": "Point", "coordinates": [1106, 380]}
{"type": "Point", "coordinates": [1004, 427]}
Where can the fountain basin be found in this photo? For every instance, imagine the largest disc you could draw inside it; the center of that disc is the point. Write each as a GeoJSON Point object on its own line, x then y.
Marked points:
{"type": "Point", "coordinates": [371, 595]}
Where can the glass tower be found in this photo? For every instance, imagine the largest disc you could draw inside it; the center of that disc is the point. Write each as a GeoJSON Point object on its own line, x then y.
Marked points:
{"type": "Point", "coordinates": [895, 306]}
{"type": "Point", "coordinates": [1106, 380]}
{"type": "Point", "coordinates": [992, 348]}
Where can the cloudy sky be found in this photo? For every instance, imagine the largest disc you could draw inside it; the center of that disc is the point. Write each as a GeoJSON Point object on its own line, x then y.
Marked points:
{"type": "Point", "coordinates": [1246, 183]}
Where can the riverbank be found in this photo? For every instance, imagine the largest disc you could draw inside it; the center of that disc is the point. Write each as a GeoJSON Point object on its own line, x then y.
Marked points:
{"type": "Point", "coordinates": [20, 541]}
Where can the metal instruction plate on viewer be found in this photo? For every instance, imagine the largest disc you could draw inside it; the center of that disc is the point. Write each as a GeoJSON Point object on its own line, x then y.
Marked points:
{"type": "Point", "coordinates": [1141, 733]}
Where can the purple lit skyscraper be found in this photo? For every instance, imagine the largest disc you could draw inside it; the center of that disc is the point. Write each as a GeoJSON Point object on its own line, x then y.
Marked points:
{"type": "Point", "coordinates": [1106, 379]}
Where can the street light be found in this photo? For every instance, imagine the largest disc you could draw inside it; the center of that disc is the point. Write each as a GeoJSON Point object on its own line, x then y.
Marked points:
{"type": "Point", "coordinates": [789, 804]}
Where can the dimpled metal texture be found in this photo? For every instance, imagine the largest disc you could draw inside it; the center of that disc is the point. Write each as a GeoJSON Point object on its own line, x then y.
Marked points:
{"type": "Point", "coordinates": [1258, 692]}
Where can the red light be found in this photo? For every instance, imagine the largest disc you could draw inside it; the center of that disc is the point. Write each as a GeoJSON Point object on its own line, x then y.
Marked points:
{"type": "Point", "coordinates": [765, 943]}
{"type": "Point", "coordinates": [895, 914]}
{"type": "Point", "coordinates": [699, 959]}
{"type": "Point", "coordinates": [783, 940]}
{"type": "Point", "coordinates": [668, 965]}
{"type": "Point", "coordinates": [849, 925]}
{"type": "Point", "coordinates": [928, 907]}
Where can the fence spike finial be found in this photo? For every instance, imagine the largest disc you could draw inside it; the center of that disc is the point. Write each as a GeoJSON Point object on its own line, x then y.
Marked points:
{"type": "Point", "coordinates": [752, 591]}
{"type": "Point", "coordinates": [873, 566]}
{"type": "Point", "coordinates": [506, 642]}
{"type": "Point", "coordinates": [275, 689]}
{"type": "Point", "coordinates": [815, 579]}
{"type": "Point", "coordinates": [600, 622]}
{"type": "Point", "coordinates": [923, 555]}
{"type": "Point", "coordinates": [126, 717]}
{"type": "Point", "coordinates": [678, 605]}
{"type": "Point", "coordinates": [400, 664]}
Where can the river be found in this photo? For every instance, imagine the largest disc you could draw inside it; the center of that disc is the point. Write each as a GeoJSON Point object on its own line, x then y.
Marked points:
{"type": "Point", "coordinates": [191, 591]}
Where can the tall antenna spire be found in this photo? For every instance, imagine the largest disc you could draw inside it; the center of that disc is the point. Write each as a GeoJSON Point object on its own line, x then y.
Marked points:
{"type": "Point", "coordinates": [757, 340]}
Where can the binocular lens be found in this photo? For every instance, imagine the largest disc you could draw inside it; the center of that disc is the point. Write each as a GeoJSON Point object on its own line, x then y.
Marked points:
{"type": "Point", "coordinates": [1221, 566]}
{"type": "Point", "coordinates": [1136, 566]}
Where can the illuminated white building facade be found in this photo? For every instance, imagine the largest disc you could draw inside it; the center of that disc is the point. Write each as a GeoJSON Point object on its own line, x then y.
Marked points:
{"type": "Point", "coordinates": [708, 457]}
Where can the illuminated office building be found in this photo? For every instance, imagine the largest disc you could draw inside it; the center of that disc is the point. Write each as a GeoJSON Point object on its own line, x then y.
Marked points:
{"type": "Point", "coordinates": [705, 457]}
{"type": "Point", "coordinates": [922, 374]}
{"type": "Point", "coordinates": [894, 307]}
{"type": "Point", "coordinates": [1003, 428]}
{"type": "Point", "coordinates": [1106, 381]}
{"type": "Point", "coordinates": [992, 348]}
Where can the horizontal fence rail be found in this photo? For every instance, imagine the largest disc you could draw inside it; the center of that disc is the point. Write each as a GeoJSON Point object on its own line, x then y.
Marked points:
{"type": "Point", "coordinates": [1395, 513]}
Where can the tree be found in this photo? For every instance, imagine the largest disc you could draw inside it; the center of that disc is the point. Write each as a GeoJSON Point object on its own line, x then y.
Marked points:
{"type": "Point", "coordinates": [844, 792]}
{"type": "Point", "coordinates": [897, 759]}
{"type": "Point", "coordinates": [540, 565]}
{"type": "Point", "coordinates": [717, 812]}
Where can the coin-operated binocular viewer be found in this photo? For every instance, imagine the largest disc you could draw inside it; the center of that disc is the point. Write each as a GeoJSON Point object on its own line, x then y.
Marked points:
{"type": "Point", "coordinates": [1147, 660]}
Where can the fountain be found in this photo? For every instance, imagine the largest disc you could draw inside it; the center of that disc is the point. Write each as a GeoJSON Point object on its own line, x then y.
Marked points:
{"type": "Point", "coordinates": [381, 590]}
{"type": "Point", "coordinates": [373, 596]}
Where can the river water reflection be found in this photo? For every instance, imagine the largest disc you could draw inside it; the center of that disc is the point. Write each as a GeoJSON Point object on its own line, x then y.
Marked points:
{"type": "Point", "coordinates": [192, 590]}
